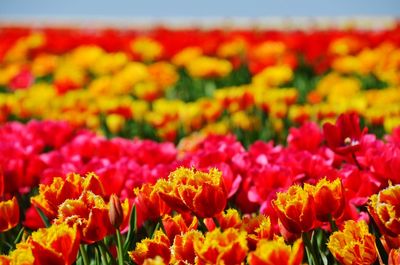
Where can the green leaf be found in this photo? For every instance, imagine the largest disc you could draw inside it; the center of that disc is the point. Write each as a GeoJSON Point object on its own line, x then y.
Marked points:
{"type": "Point", "coordinates": [130, 238]}
{"type": "Point", "coordinates": [106, 256]}
{"type": "Point", "coordinates": [79, 261]}
{"type": "Point", "coordinates": [19, 236]}
{"type": "Point", "coordinates": [44, 217]}
{"type": "Point", "coordinates": [156, 227]}
{"type": "Point", "coordinates": [97, 257]}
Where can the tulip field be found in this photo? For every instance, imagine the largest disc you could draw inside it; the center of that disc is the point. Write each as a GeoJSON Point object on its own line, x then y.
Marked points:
{"type": "Point", "coordinates": [199, 146]}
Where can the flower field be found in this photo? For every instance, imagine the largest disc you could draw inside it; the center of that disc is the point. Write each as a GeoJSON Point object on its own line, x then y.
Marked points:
{"type": "Point", "coordinates": [199, 146]}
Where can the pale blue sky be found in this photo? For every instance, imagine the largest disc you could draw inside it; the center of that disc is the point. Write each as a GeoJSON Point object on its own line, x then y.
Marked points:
{"type": "Point", "coordinates": [190, 8]}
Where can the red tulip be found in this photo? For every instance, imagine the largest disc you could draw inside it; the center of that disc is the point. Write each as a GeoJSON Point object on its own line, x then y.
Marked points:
{"type": "Point", "coordinates": [344, 137]}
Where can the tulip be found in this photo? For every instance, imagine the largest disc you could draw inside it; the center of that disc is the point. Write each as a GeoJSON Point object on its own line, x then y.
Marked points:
{"type": "Point", "coordinates": [186, 55]}
{"type": "Point", "coordinates": [149, 204]}
{"type": "Point", "coordinates": [178, 225]}
{"type": "Point", "coordinates": [295, 209]}
{"type": "Point", "coordinates": [228, 247]}
{"type": "Point", "coordinates": [115, 213]}
{"type": "Point", "coordinates": [4, 260]}
{"type": "Point", "coordinates": [22, 255]}
{"type": "Point", "coordinates": [208, 67]}
{"type": "Point", "coordinates": [51, 196]}
{"type": "Point", "coordinates": [383, 208]}
{"type": "Point", "coordinates": [202, 193]}
{"type": "Point", "coordinates": [183, 247]}
{"type": "Point", "coordinates": [229, 218]}
{"type": "Point", "coordinates": [328, 198]}
{"type": "Point", "coordinates": [354, 244]}
{"type": "Point", "coordinates": [148, 49]}
{"type": "Point", "coordinates": [151, 248]}
{"type": "Point", "coordinates": [156, 261]}
{"type": "Point", "coordinates": [9, 214]}
{"type": "Point", "coordinates": [91, 215]}
{"type": "Point", "coordinates": [344, 137]}
{"type": "Point", "coordinates": [394, 257]}
{"type": "Point", "coordinates": [307, 137]}
{"type": "Point", "coordinates": [258, 227]}
{"type": "Point", "coordinates": [276, 252]}
{"type": "Point", "coordinates": [57, 244]}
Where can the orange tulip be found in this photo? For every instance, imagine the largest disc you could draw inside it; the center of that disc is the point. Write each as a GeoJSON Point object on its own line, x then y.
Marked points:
{"type": "Point", "coordinates": [229, 218]}
{"type": "Point", "coordinates": [353, 245]}
{"type": "Point", "coordinates": [178, 225]}
{"type": "Point", "coordinates": [57, 244]}
{"type": "Point", "coordinates": [22, 255]}
{"type": "Point", "coordinates": [90, 213]}
{"type": "Point", "coordinates": [52, 196]}
{"type": "Point", "coordinates": [200, 192]}
{"type": "Point", "coordinates": [228, 247]}
{"type": "Point", "coordinates": [4, 260]}
{"type": "Point", "coordinates": [9, 214]}
{"type": "Point", "coordinates": [205, 194]}
{"type": "Point", "coordinates": [328, 197]}
{"type": "Point", "coordinates": [164, 74]}
{"type": "Point", "coordinates": [383, 207]}
{"type": "Point", "coordinates": [149, 204]}
{"type": "Point", "coordinates": [154, 261]}
{"type": "Point", "coordinates": [394, 257]}
{"type": "Point", "coordinates": [295, 209]}
{"type": "Point", "coordinates": [276, 252]}
{"type": "Point", "coordinates": [183, 247]}
{"type": "Point", "coordinates": [257, 228]}
{"type": "Point", "coordinates": [151, 248]}
{"type": "Point", "coordinates": [168, 191]}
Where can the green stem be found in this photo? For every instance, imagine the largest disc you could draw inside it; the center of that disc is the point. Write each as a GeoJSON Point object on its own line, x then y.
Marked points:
{"type": "Point", "coordinates": [156, 227]}
{"type": "Point", "coordinates": [19, 236]}
{"type": "Point", "coordinates": [97, 257]}
{"type": "Point", "coordinates": [84, 255]}
{"type": "Point", "coordinates": [102, 253]}
{"type": "Point", "coordinates": [1, 243]}
{"type": "Point", "coordinates": [105, 253]}
{"type": "Point", "coordinates": [332, 224]}
{"type": "Point", "coordinates": [310, 249]}
{"type": "Point", "coordinates": [120, 253]}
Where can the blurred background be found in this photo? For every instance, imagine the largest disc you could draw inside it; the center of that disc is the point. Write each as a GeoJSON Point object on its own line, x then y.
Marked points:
{"type": "Point", "coordinates": [158, 10]}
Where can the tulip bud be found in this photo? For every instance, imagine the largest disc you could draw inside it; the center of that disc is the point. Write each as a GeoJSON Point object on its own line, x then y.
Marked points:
{"type": "Point", "coordinates": [9, 216]}
{"type": "Point", "coordinates": [115, 212]}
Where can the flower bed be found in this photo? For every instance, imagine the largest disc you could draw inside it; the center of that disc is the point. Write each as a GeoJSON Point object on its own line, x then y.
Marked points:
{"type": "Point", "coordinates": [166, 84]}
{"type": "Point", "coordinates": [199, 147]}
